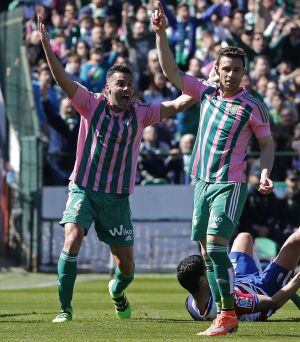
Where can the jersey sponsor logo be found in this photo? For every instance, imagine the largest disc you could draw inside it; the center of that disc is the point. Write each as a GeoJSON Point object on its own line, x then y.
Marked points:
{"type": "Point", "coordinates": [195, 218]}
{"type": "Point", "coordinates": [214, 219]}
{"type": "Point", "coordinates": [121, 231]}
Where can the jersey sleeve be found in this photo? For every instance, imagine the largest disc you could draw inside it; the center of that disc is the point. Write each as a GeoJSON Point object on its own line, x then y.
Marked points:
{"type": "Point", "coordinates": [85, 102]}
{"type": "Point", "coordinates": [148, 114]}
{"type": "Point", "coordinates": [194, 87]}
{"type": "Point", "coordinates": [259, 121]}
{"type": "Point", "coordinates": [209, 314]}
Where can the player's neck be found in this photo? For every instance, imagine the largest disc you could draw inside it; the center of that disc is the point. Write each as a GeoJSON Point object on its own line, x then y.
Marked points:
{"type": "Point", "coordinates": [116, 109]}
{"type": "Point", "coordinates": [229, 92]}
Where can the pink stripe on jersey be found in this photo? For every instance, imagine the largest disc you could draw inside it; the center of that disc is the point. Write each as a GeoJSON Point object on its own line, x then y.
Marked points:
{"type": "Point", "coordinates": [94, 144]}
{"type": "Point", "coordinates": [122, 168]}
{"type": "Point", "coordinates": [114, 157]}
{"type": "Point", "coordinates": [227, 145]}
{"type": "Point", "coordinates": [197, 155]}
{"type": "Point", "coordinates": [210, 122]}
{"type": "Point", "coordinates": [216, 139]}
{"type": "Point", "coordinates": [102, 155]}
{"type": "Point", "coordinates": [136, 146]}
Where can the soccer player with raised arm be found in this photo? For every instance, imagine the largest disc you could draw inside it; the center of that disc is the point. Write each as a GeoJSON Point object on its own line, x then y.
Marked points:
{"type": "Point", "coordinates": [229, 116]}
{"type": "Point", "coordinates": [104, 174]}
{"type": "Point", "coordinates": [257, 294]}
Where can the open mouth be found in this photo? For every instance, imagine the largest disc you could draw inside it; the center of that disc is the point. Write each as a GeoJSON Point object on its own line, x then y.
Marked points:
{"type": "Point", "coordinates": [125, 99]}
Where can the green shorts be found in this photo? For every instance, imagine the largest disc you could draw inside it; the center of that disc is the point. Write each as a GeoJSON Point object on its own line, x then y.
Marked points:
{"type": "Point", "coordinates": [217, 209]}
{"type": "Point", "coordinates": [111, 213]}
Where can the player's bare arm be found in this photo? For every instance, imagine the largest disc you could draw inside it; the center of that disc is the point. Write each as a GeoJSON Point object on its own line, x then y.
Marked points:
{"type": "Point", "coordinates": [280, 298]}
{"type": "Point", "coordinates": [166, 58]}
{"type": "Point", "coordinates": [58, 72]}
{"type": "Point", "coordinates": [266, 164]}
{"type": "Point", "coordinates": [168, 108]}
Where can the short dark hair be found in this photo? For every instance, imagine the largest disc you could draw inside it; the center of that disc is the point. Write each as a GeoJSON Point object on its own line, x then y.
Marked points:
{"type": "Point", "coordinates": [233, 52]}
{"type": "Point", "coordinates": [189, 270]}
{"type": "Point", "coordinates": [118, 68]}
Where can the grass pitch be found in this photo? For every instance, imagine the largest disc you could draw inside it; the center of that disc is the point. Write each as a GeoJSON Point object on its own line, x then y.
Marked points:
{"type": "Point", "coordinates": [28, 303]}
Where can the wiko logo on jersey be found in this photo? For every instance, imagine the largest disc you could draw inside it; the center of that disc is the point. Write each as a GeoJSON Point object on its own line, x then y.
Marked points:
{"type": "Point", "coordinates": [214, 220]}
{"type": "Point", "coordinates": [121, 231]}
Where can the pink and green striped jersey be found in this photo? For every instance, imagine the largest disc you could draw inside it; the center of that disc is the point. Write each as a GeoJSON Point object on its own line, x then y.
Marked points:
{"type": "Point", "coordinates": [225, 128]}
{"type": "Point", "coordinates": [109, 143]}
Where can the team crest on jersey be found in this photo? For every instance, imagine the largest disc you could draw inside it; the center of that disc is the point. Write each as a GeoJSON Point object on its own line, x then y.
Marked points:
{"type": "Point", "coordinates": [243, 302]}
{"type": "Point", "coordinates": [126, 122]}
{"type": "Point", "coordinates": [234, 109]}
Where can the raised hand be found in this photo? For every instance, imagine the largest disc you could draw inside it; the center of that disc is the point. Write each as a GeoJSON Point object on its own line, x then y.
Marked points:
{"type": "Point", "coordinates": [158, 19]}
{"type": "Point", "coordinates": [43, 34]}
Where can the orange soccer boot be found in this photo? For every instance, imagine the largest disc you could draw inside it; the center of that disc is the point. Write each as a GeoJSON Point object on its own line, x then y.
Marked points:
{"type": "Point", "coordinates": [226, 323]}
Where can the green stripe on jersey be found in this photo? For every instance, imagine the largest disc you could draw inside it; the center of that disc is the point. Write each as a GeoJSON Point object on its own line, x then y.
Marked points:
{"type": "Point", "coordinates": [98, 149]}
{"type": "Point", "coordinates": [109, 154]}
{"type": "Point", "coordinates": [210, 138]}
{"type": "Point", "coordinates": [128, 160]}
{"type": "Point", "coordinates": [88, 142]}
{"type": "Point", "coordinates": [222, 143]}
{"type": "Point", "coordinates": [198, 139]}
{"type": "Point", "coordinates": [116, 171]}
{"type": "Point", "coordinates": [244, 120]}
{"type": "Point", "coordinates": [203, 129]}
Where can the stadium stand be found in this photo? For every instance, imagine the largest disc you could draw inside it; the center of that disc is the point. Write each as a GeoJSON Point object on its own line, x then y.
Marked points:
{"type": "Point", "coordinates": [90, 36]}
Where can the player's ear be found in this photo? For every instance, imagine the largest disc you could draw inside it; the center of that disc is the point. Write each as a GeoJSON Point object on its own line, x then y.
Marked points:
{"type": "Point", "coordinates": [217, 69]}
{"type": "Point", "coordinates": [107, 88]}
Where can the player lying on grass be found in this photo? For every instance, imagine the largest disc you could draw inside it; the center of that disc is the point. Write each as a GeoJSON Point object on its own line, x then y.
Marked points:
{"type": "Point", "coordinates": [104, 174]}
{"type": "Point", "coordinates": [257, 295]}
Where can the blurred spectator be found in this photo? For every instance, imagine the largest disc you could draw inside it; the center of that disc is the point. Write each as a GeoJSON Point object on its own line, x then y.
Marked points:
{"type": "Point", "coordinates": [152, 155]}
{"type": "Point", "coordinates": [296, 148]}
{"type": "Point", "coordinates": [158, 90]}
{"type": "Point", "coordinates": [82, 50]}
{"type": "Point", "coordinates": [182, 33]}
{"type": "Point", "coordinates": [178, 161]}
{"type": "Point", "coordinates": [73, 67]}
{"type": "Point", "coordinates": [43, 87]}
{"type": "Point", "coordinates": [260, 215]}
{"type": "Point", "coordinates": [139, 40]}
{"type": "Point", "coordinates": [289, 207]}
{"type": "Point", "coordinates": [101, 9]}
{"type": "Point", "coordinates": [93, 72]}
{"type": "Point", "coordinates": [64, 129]}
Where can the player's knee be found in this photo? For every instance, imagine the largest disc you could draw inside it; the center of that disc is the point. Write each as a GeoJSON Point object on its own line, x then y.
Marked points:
{"type": "Point", "coordinates": [245, 238]}
{"type": "Point", "coordinates": [126, 265]}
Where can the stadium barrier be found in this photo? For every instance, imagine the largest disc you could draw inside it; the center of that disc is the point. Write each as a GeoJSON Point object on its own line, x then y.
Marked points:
{"type": "Point", "coordinates": [162, 220]}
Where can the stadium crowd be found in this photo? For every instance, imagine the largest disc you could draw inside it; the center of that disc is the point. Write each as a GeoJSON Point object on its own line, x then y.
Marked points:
{"type": "Point", "coordinates": [90, 36]}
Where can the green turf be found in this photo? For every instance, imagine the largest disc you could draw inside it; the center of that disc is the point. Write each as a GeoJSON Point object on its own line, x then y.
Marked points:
{"type": "Point", "coordinates": [158, 313]}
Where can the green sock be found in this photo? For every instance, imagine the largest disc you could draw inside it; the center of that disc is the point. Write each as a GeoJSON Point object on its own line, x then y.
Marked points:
{"type": "Point", "coordinates": [223, 272]}
{"type": "Point", "coordinates": [121, 280]}
{"type": "Point", "coordinates": [67, 272]}
{"type": "Point", "coordinates": [213, 284]}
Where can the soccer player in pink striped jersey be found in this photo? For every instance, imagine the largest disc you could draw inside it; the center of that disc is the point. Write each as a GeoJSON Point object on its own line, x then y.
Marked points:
{"type": "Point", "coordinates": [104, 174]}
{"type": "Point", "coordinates": [229, 116]}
